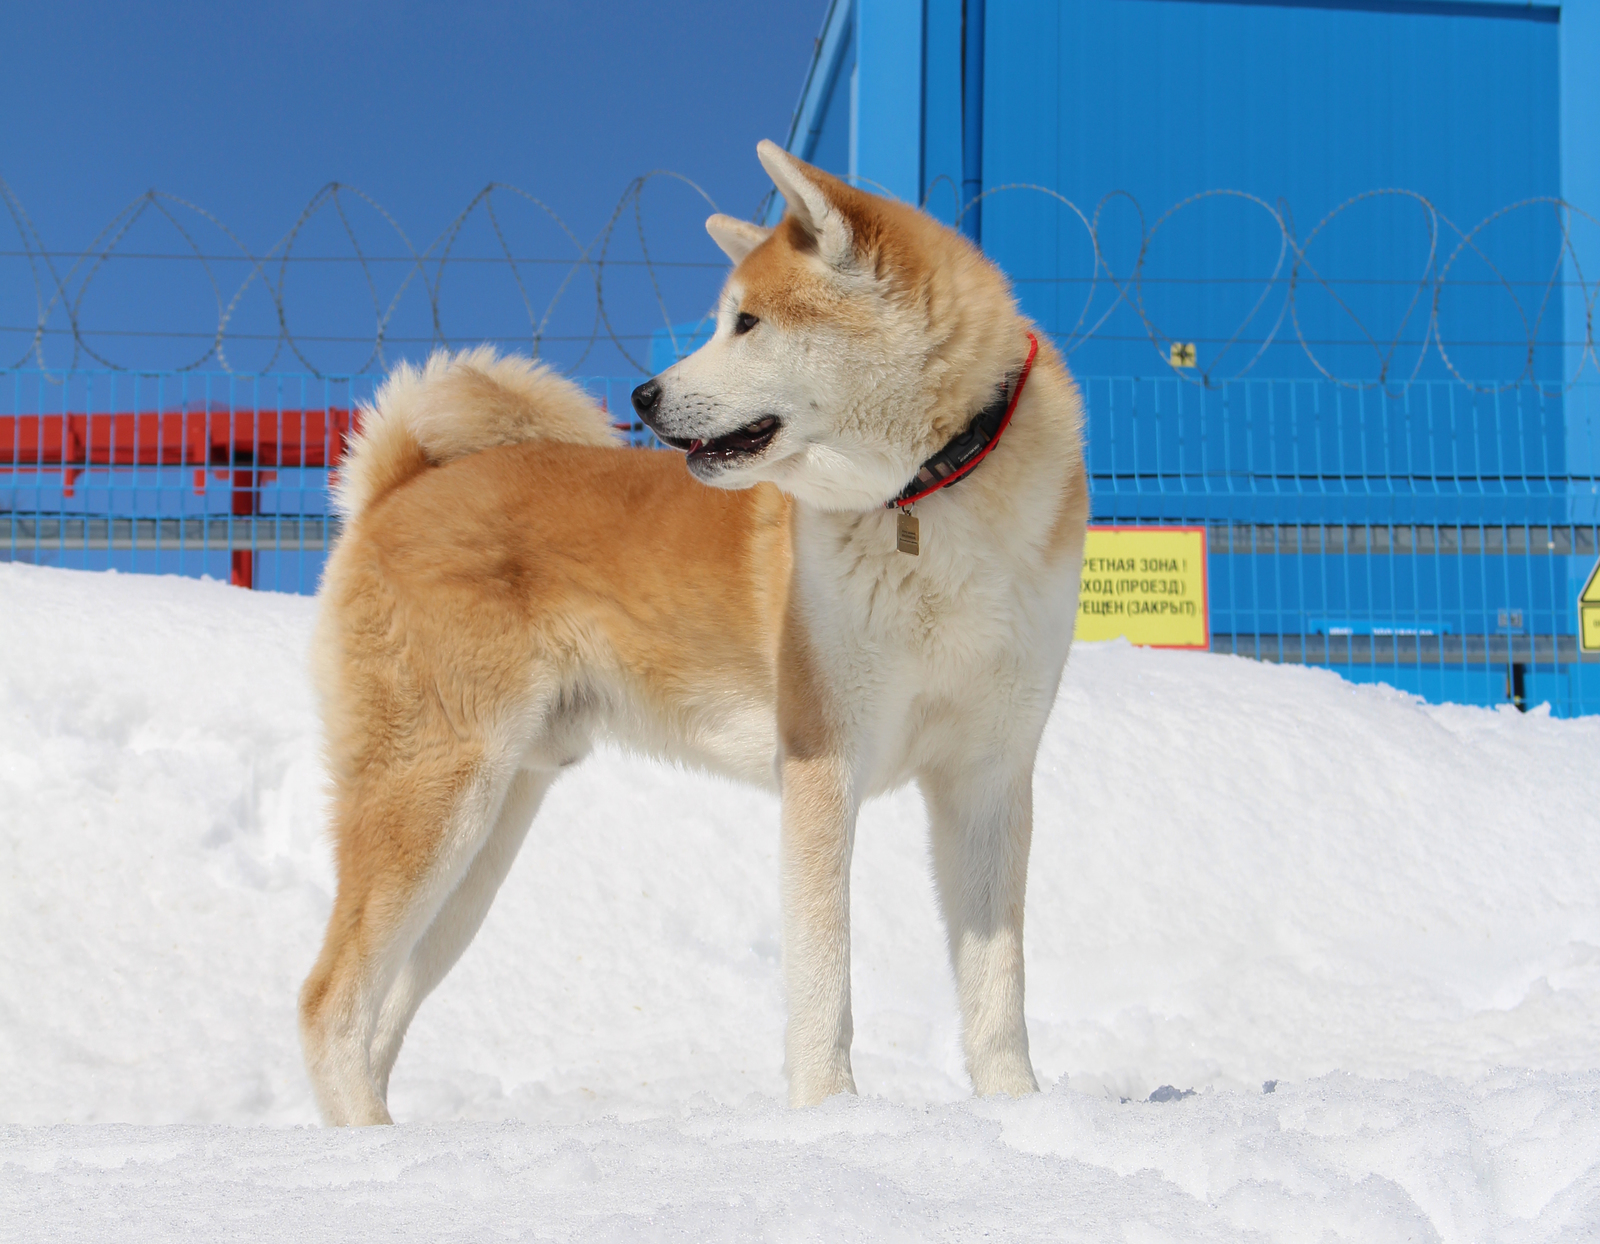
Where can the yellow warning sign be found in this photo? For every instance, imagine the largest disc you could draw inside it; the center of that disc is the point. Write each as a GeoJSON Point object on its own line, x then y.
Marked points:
{"type": "Point", "coordinates": [1147, 584]}
{"type": "Point", "coordinates": [1589, 612]}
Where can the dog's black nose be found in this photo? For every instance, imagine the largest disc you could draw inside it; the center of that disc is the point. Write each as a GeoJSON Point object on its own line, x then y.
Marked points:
{"type": "Point", "coordinates": [646, 396]}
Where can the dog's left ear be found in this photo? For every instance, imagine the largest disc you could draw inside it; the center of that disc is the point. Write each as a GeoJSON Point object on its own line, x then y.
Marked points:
{"type": "Point", "coordinates": [805, 190]}
{"type": "Point", "coordinates": [736, 237]}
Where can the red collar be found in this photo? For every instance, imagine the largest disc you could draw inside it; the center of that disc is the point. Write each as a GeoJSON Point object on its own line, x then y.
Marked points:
{"type": "Point", "coordinates": [970, 447]}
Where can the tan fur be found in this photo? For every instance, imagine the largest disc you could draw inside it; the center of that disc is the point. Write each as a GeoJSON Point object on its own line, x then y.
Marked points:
{"type": "Point", "coordinates": [511, 585]}
{"type": "Point", "coordinates": [469, 602]}
{"type": "Point", "coordinates": [455, 405]}
{"type": "Point", "coordinates": [1066, 536]}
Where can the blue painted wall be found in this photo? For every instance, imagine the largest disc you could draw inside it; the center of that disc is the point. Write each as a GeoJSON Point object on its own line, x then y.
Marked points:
{"type": "Point", "coordinates": [1130, 108]}
{"type": "Point", "coordinates": [1580, 185]}
{"type": "Point", "coordinates": [1302, 109]}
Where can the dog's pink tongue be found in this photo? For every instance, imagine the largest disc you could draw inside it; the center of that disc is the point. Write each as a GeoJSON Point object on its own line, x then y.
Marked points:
{"type": "Point", "coordinates": [696, 445]}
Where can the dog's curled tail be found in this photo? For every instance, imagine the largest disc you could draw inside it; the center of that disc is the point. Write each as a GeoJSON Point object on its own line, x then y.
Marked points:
{"type": "Point", "coordinates": [454, 405]}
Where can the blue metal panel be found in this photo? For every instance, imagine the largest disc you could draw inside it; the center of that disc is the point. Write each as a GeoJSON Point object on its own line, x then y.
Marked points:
{"type": "Point", "coordinates": [1298, 107]}
{"type": "Point", "coordinates": [1580, 185]}
{"type": "Point", "coordinates": [974, 27]}
{"type": "Point", "coordinates": [1512, 10]}
{"type": "Point", "coordinates": [889, 103]}
{"type": "Point", "coordinates": [941, 109]}
{"type": "Point", "coordinates": [1307, 451]}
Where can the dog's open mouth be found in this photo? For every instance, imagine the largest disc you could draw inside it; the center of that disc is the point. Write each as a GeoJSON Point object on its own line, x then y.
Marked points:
{"type": "Point", "coordinates": [745, 442]}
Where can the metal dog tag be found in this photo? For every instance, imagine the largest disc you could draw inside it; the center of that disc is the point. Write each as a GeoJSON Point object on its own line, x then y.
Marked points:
{"type": "Point", "coordinates": [906, 537]}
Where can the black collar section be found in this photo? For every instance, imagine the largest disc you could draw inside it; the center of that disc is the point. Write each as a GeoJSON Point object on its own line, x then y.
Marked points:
{"type": "Point", "coordinates": [959, 456]}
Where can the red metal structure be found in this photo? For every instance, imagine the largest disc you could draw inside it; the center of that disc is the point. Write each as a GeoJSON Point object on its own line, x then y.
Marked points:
{"type": "Point", "coordinates": [246, 447]}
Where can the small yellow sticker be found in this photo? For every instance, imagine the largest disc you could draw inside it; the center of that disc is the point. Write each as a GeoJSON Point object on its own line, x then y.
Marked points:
{"type": "Point", "coordinates": [1589, 612]}
{"type": "Point", "coordinates": [1147, 584]}
{"type": "Point", "coordinates": [1182, 354]}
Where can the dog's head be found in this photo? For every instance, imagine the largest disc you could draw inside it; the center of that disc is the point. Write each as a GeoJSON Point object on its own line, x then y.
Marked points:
{"type": "Point", "coordinates": [832, 370]}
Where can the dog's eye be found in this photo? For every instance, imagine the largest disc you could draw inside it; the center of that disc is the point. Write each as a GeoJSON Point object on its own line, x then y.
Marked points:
{"type": "Point", "coordinates": [744, 323]}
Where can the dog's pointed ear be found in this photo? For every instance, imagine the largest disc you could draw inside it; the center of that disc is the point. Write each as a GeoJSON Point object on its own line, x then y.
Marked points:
{"type": "Point", "coordinates": [805, 191]}
{"type": "Point", "coordinates": [736, 237]}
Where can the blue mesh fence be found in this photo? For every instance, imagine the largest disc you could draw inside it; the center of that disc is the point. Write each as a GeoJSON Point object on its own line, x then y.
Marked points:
{"type": "Point", "coordinates": [199, 474]}
{"type": "Point", "coordinates": [1436, 539]}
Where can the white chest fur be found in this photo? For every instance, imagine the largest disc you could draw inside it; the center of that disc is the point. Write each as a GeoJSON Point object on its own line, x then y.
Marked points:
{"type": "Point", "coordinates": [959, 647]}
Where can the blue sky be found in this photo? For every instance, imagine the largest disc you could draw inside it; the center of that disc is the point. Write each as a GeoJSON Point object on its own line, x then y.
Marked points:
{"type": "Point", "coordinates": [246, 110]}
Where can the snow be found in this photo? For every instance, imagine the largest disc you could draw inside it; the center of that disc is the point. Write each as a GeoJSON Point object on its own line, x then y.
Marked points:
{"type": "Point", "coordinates": [1241, 873]}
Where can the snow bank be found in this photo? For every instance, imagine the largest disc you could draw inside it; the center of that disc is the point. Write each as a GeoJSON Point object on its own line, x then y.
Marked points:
{"type": "Point", "coordinates": [1510, 1158]}
{"type": "Point", "coordinates": [1241, 873]}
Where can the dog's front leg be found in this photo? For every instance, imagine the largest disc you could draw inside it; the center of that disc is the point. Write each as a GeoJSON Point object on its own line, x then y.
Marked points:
{"type": "Point", "coordinates": [819, 822]}
{"type": "Point", "coordinates": [981, 818]}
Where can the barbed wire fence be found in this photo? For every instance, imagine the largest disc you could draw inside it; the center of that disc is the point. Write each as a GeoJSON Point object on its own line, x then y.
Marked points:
{"type": "Point", "coordinates": [1449, 246]}
{"type": "Point", "coordinates": [61, 281]}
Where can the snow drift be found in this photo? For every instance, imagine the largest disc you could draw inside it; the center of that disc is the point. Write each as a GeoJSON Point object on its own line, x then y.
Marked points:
{"type": "Point", "coordinates": [1241, 873]}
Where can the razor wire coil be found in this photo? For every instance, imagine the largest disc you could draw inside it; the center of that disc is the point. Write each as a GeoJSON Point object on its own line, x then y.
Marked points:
{"type": "Point", "coordinates": [63, 279]}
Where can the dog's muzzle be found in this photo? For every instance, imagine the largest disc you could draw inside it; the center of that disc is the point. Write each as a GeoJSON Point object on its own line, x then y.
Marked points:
{"type": "Point", "coordinates": [745, 442]}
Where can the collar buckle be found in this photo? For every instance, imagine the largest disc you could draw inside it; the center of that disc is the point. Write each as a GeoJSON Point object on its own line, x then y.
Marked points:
{"type": "Point", "coordinates": [969, 447]}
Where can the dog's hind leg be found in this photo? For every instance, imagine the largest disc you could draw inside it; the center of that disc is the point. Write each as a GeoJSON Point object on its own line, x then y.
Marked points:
{"type": "Point", "coordinates": [982, 827]}
{"type": "Point", "coordinates": [458, 920]}
{"type": "Point", "coordinates": [407, 835]}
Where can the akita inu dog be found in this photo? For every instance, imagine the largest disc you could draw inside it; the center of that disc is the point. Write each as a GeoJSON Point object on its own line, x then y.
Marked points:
{"type": "Point", "coordinates": [807, 606]}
